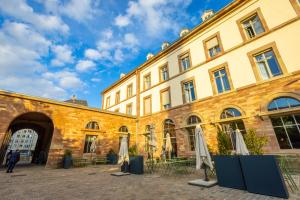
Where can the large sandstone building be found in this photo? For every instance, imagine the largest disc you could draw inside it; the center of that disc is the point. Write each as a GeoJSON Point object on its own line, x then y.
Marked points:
{"type": "Point", "coordinates": [240, 68]}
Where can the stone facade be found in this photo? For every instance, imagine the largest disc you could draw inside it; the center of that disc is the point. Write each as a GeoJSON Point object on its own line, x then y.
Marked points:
{"type": "Point", "coordinates": [69, 123]}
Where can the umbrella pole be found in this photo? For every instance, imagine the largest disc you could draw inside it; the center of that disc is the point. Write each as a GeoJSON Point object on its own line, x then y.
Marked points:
{"type": "Point", "coordinates": [205, 172]}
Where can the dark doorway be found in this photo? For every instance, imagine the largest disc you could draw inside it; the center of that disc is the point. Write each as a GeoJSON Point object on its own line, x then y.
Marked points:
{"type": "Point", "coordinates": [31, 133]}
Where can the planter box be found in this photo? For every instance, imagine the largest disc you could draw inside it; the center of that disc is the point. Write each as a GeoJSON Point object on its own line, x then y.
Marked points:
{"type": "Point", "coordinates": [229, 172]}
{"type": "Point", "coordinates": [263, 176]}
{"type": "Point", "coordinates": [67, 162]}
{"type": "Point", "coordinates": [136, 164]}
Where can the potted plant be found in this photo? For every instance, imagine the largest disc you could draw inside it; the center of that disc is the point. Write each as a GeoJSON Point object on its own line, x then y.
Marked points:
{"type": "Point", "coordinates": [67, 159]}
{"type": "Point", "coordinates": [112, 157]}
{"type": "Point", "coordinates": [136, 162]}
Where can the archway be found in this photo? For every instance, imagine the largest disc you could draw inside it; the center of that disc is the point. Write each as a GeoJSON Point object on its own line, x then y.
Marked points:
{"type": "Point", "coordinates": [31, 133]}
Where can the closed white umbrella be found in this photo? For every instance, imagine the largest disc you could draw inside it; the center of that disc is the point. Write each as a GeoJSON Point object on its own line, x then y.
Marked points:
{"type": "Point", "coordinates": [123, 152]}
{"type": "Point", "coordinates": [169, 147]}
{"type": "Point", "coordinates": [202, 153]}
{"type": "Point", "coordinates": [93, 146]}
{"type": "Point", "coordinates": [241, 148]}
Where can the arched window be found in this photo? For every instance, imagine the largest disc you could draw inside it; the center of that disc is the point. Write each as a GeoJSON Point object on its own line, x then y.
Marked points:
{"type": "Point", "coordinates": [123, 129]}
{"type": "Point", "coordinates": [169, 127]}
{"type": "Point", "coordinates": [230, 112]}
{"type": "Point", "coordinates": [92, 125]}
{"type": "Point", "coordinates": [286, 126]}
{"type": "Point", "coordinates": [283, 103]}
{"type": "Point", "coordinates": [192, 121]}
{"type": "Point", "coordinates": [231, 123]}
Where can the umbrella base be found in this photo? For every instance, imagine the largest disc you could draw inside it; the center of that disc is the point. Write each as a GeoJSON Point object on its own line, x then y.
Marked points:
{"type": "Point", "coordinates": [120, 174]}
{"type": "Point", "coordinates": [203, 183]}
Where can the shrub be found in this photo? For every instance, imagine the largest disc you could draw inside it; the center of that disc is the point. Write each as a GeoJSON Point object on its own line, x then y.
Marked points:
{"type": "Point", "coordinates": [132, 151]}
{"type": "Point", "coordinates": [68, 152]}
{"type": "Point", "coordinates": [254, 142]}
{"type": "Point", "coordinates": [224, 144]}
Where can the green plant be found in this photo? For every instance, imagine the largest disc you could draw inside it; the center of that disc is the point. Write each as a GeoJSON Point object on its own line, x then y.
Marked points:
{"type": "Point", "coordinates": [132, 151]}
{"type": "Point", "coordinates": [254, 142]}
{"type": "Point", "coordinates": [224, 144]}
{"type": "Point", "coordinates": [68, 152]}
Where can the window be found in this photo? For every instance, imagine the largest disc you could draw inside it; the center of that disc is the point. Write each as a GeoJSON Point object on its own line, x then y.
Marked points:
{"type": "Point", "coordinates": [117, 100]}
{"type": "Point", "coordinates": [147, 81]}
{"type": "Point", "coordinates": [213, 46]}
{"type": "Point", "coordinates": [92, 125]}
{"type": "Point", "coordinates": [192, 122]}
{"type": "Point", "coordinates": [164, 73]}
{"type": "Point", "coordinates": [129, 109]}
{"type": "Point", "coordinates": [123, 129]}
{"type": "Point", "coordinates": [189, 93]}
{"type": "Point", "coordinates": [165, 99]}
{"type": "Point", "coordinates": [147, 105]}
{"type": "Point", "coordinates": [286, 127]}
{"type": "Point", "coordinates": [129, 91]}
{"type": "Point", "coordinates": [89, 139]}
{"type": "Point", "coordinates": [220, 79]}
{"type": "Point", "coordinates": [107, 102]}
{"type": "Point", "coordinates": [230, 113]}
{"type": "Point", "coordinates": [124, 132]}
{"type": "Point", "coordinates": [169, 128]}
{"type": "Point", "coordinates": [266, 62]}
{"type": "Point", "coordinates": [252, 25]}
{"type": "Point", "coordinates": [184, 60]}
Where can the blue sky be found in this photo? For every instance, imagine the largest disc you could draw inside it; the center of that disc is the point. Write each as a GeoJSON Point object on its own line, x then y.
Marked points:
{"type": "Point", "coordinates": [57, 48]}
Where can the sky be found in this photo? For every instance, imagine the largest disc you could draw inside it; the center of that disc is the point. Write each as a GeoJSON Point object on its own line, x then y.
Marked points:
{"type": "Point", "coordinates": [59, 48]}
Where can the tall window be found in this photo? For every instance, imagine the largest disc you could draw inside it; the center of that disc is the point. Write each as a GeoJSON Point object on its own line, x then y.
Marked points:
{"type": "Point", "coordinates": [129, 109]}
{"type": "Point", "coordinates": [147, 105]}
{"type": "Point", "coordinates": [189, 94]}
{"type": "Point", "coordinates": [117, 100]}
{"type": "Point", "coordinates": [92, 125]}
{"type": "Point", "coordinates": [107, 102]}
{"type": "Point", "coordinates": [192, 122]}
{"type": "Point", "coordinates": [169, 128]}
{"type": "Point", "coordinates": [165, 99]}
{"type": "Point", "coordinates": [184, 61]}
{"type": "Point", "coordinates": [89, 139]}
{"type": "Point", "coordinates": [221, 80]}
{"type": "Point", "coordinates": [164, 73]}
{"type": "Point", "coordinates": [267, 64]}
{"type": "Point", "coordinates": [124, 131]}
{"type": "Point", "coordinates": [213, 47]}
{"type": "Point", "coordinates": [253, 26]}
{"type": "Point", "coordinates": [147, 81]}
{"type": "Point", "coordinates": [129, 91]}
{"type": "Point", "coordinates": [232, 123]}
{"type": "Point", "coordinates": [286, 126]}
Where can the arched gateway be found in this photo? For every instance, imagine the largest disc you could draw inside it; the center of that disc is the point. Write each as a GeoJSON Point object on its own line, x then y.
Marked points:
{"type": "Point", "coordinates": [31, 133]}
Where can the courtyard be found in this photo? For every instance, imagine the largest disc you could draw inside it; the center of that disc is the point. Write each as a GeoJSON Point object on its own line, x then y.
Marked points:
{"type": "Point", "coordinates": [37, 183]}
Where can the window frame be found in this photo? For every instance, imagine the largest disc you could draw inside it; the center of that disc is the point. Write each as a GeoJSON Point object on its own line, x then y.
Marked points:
{"type": "Point", "coordinates": [144, 100]}
{"type": "Point", "coordinates": [260, 50]}
{"type": "Point", "coordinates": [88, 135]}
{"type": "Point", "coordinates": [213, 80]}
{"type": "Point", "coordinates": [144, 82]}
{"type": "Point", "coordinates": [129, 105]}
{"type": "Point", "coordinates": [161, 100]}
{"type": "Point", "coordinates": [192, 79]}
{"type": "Point", "coordinates": [206, 50]}
{"type": "Point", "coordinates": [127, 90]}
{"type": "Point", "coordinates": [296, 5]}
{"type": "Point", "coordinates": [118, 94]}
{"type": "Point", "coordinates": [160, 72]}
{"type": "Point", "coordinates": [107, 102]}
{"type": "Point", "coordinates": [184, 54]}
{"type": "Point", "coordinates": [240, 21]}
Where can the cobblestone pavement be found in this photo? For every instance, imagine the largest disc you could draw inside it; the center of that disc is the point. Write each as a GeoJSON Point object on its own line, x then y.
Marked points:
{"type": "Point", "coordinates": [34, 183]}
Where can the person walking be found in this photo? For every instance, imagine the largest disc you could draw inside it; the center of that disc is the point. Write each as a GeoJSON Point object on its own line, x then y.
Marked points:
{"type": "Point", "coordinates": [8, 156]}
{"type": "Point", "coordinates": [15, 157]}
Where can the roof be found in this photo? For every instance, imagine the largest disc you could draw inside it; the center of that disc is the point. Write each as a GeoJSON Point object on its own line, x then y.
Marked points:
{"type": "Point", "coordinates": [79, 102]}
{"type": "Point", "coordinates": [215, 18]}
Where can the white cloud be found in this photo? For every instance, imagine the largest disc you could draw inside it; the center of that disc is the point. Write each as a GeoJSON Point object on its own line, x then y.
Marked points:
{"type": "Point", "coordinates": [79, 10]}
{"type": "Point", "coordinates": [122, 21]}
{"type": "Point", "coordinates": [96, 80]}
{"type": "Point", "coordinates": [85, 65]}
{"type": "Point", "coordinates": [131, 40]}
{"type": "Point", "coordinates": [65, 79]}
{"type": "Point", "coordinates": [92, 54]}
{"type": "Point", "coordinates": [63, 55]}
{"type": "Point", "coordinates": [22, 11]}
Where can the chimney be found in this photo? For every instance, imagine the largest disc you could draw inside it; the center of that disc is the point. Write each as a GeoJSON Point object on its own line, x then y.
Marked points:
{"type": "Point", "coordinates": [165, 45]}
{"type": "Point", "coordinates": [149, 55]}
{"type": "Point", "coordinates": [184, 32]}
{"type": "Point", "coordinates": [74, 98]}
{"type": "Point", "coordinates": [122, 75]}
{"type": "Point", "coordinates": [207, 14]}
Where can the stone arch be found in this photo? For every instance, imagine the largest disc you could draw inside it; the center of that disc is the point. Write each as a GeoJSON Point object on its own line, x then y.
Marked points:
{"type": "Point", "coordinates": [220, 110]}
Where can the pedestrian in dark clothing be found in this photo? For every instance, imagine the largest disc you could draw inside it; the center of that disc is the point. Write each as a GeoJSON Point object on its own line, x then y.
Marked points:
{"type": "Point", "coordinates": [8, 156]}
{"type": "Point", "coordinates": [15, 157]}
